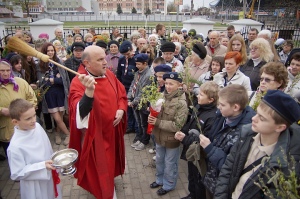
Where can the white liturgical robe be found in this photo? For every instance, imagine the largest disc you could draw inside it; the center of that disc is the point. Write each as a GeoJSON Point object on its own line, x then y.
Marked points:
{"type": "Point", "coordinates": [27, 153]}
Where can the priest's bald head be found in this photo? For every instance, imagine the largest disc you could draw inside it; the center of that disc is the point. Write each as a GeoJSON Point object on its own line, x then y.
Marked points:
{"type": "Point", "coordinates": [93, 58]}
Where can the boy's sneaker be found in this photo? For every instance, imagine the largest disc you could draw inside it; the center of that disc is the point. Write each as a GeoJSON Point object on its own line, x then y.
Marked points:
{"type": "Point", "coordinates": [140, 147]}
{"type": "Point", "coordinates": [152, 151]}
{"type": "Point", "coordinates": [154, 158]}
{"type": "Point", "coordinates": [135, 144]}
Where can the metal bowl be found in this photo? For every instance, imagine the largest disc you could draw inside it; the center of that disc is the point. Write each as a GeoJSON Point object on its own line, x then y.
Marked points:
{"type": "Point", "coordinates": [65, 160]}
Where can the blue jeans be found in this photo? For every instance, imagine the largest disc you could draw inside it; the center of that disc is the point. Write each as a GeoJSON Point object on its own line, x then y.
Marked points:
{"type": "Point", "coordinates": [167, 166]}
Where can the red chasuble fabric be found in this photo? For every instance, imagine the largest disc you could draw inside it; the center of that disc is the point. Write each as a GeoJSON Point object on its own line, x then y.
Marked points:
{"type": "Point", "coordinates": [102, 151]}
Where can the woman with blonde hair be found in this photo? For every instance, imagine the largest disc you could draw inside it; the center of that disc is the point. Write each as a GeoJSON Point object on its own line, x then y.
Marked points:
{"type": "Point", "coordinates": [237, 43]}
{"type": "Point", "coordinates": [260, 54]}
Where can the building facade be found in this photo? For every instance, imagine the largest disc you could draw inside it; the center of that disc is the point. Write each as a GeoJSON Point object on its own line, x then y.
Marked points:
{"type": "Point", "coordinates": [110, 6]}
{"type": "Point", "coordinates": [67, 5]}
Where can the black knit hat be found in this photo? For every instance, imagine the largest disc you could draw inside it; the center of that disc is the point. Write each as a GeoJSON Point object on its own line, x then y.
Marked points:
{"type": "Point", "coordinates": [113, 42]}
{"type": "Point", "coordinates": [168, 47]}
{"type": "Point", "coordinates": [283, 104]}
{"type": "Point", "coordinates": [101, 44]}
{"type": "Point", "coordinates": [77, 45]}
{"type": "Point", "coordinates": [200, 50]}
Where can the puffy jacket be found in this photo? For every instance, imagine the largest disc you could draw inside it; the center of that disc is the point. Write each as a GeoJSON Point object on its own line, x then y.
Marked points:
{"type": "Point", "coordinates": [206, 115]}
{"type": "Point", "coordinates": [287, 144]}
{"type": "Point", "coordinates": [252, 72]}
{"type": "Point", "coordinates": [171, 118]}
{"type": "Point", "coordinates": [222, 140]}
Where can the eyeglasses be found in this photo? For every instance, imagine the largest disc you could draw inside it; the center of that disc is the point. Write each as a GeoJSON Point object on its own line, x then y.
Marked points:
{"type": "Point", "coordinates": [267, 80]}
{"type": "Point", "coordinates": [254, 49]}
{"type": "Point", "coordinates": [148, 52]}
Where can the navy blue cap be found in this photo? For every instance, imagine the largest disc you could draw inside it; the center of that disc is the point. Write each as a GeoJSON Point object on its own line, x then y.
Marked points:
{"type": "Point", "coordinates": [283, 104]}
{"type": "Point", "coordinates": [141, 57]}
{"type": "Point", "coordinates": [172, 75]}
{"type": "Point", "coordinates": [163, 68]}
{"type": "Point", "coordinates": [125, 47]}
{"type": "Point", "coordinates": [113, 42]}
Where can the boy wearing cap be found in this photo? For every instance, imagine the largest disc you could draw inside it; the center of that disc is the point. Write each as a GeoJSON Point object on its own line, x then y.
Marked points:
{"type": "Point", "coordinates": [270, 135]}
{"type": "Point", "coordinates": [74, 61]}
{"type": "Point", "coordinates": [171, 118]}
{"type": "Point", "coordinates": [125, 74]}
{"type": "Point", "coordinates": [159, 71]}
{"type": "Point", "coordinates": [141, 79]}
{"type": "Point", "coordinates": [168, 50]}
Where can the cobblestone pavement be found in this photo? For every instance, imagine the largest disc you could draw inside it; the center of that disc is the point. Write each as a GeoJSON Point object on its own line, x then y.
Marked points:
{"type": "Point", "coordinates": [139, 174]}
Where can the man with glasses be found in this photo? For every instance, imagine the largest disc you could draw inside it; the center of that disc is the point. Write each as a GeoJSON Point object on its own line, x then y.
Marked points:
{"type": "Point", "coordinates": [168, 50]}
{"type": "Point", "coordinates": [125, 74]}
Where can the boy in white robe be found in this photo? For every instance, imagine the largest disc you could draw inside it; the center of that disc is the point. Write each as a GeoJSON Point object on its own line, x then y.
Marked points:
{"type": "Point", "coordinates": [29, 154]}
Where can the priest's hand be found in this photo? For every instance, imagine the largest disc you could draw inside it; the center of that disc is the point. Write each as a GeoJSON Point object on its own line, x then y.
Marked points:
{"type": "Point", "coordinates": [49, 166]}
{"type": "Point", "coordinates": [89, 83]}
{"type": "Point", "coordinates": [204, 141]}
{"type": "Point", "coordinates": [118, 117]}
{"type": "Point", "coordinates": [5, 112]}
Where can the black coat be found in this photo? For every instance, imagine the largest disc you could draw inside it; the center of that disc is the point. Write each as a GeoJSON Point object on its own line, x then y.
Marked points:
{"type": "Point", "coordinates": [206, 115]}
{"type": "Point", "coordinates": [72, 63]}
{"type": "Point", "coordinates": [252, 72]}
{"type": "Point", "coordinates": [126, 78]}
{"type": "Point", "coordinates": [288, 143]}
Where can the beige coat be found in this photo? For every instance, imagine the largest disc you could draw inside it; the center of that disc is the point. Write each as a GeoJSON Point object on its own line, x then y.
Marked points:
{"type": "Point", "coordinates": [7, 94]}
{"type": "Point", "coordinates": [171, 118]}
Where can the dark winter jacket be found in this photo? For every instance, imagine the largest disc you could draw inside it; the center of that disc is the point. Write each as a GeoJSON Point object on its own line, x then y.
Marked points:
{"type": "Point", "coordinates": [252, 72]}
{"type": "Point", "coordinates": [222, 140]}
{"type": "Point", "coordinates": [72, 63]}
{"type": "Point", "coordinates": [287, 144]}
{"type": "Point", "coordinates": [126, 78]}
{"type": "Point", "coordinates": [206, 115]}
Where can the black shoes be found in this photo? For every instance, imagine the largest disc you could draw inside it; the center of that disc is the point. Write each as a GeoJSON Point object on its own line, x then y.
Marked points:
{"type": "Point", "coordinates": [129, 130]}
{"type": "Point", "coordinates": [154, 185]}
{"type": "Point", "coordinates": [162, 192]}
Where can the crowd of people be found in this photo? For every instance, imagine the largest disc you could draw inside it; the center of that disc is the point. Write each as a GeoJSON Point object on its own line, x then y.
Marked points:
{"type": "Point", "coordinates": [228, 104]}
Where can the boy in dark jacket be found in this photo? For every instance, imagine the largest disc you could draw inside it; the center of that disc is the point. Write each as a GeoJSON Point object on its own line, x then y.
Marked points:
{"type": "Point", "coordinates": [206, 112]}
{"type": "Point", "coordinates": [272, 137]}
{"type": "Point", "coordinates": [232, 115]}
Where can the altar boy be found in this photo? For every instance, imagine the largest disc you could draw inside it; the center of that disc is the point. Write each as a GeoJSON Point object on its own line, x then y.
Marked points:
{"type": "Point", "coordinates": [29, 154]}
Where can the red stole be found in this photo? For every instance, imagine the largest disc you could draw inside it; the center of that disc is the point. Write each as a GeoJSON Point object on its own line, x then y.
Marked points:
{"type": "Point", "coordinates": [102, 155]}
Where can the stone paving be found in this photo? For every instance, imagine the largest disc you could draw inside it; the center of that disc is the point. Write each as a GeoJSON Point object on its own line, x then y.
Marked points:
{"type": "Point", "coordinates": [139, 174]}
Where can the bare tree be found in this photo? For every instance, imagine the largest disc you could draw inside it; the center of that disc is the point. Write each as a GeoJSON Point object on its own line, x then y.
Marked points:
{"type": "Point", "coordinates": [186, 8]}
{"type": "Point", "coordinates": [171, 7]}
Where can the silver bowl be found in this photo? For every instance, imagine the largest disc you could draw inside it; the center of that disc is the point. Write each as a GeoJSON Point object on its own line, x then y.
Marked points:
{"type": "Point", "coordinates": [65, 160]}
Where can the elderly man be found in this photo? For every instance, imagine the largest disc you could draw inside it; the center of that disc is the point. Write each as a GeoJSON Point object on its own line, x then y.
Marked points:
{"type": "Point", "coordinates": [76, 31]}
{"type": "Point", "coordinates": [59, 36]}
{"type": "Point", "coordinates": [98, 105]}
{"type": "Point", "coordinates": [115, 34]}
{"type": "Point", "coordinates": [213, 47]}
{"type": "Point", "coordinates": [168, 50]}
{"type": "Point", "coordinates": [140, 43]}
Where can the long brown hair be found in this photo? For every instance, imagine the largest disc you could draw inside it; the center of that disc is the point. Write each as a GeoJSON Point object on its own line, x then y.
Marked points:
{"type": "Point", "coordinates": [44, 65]}
{"type": "Point", "coordinates": [30, 69]}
